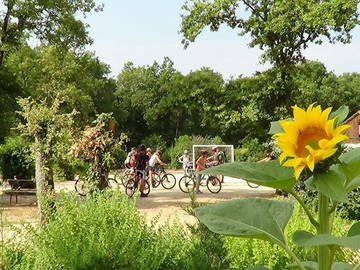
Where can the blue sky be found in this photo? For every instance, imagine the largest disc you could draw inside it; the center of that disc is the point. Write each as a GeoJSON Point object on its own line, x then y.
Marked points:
{"type": "Point", "coordinates": [142, 31]}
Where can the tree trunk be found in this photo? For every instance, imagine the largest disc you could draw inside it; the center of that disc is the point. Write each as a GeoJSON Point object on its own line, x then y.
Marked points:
{"type": "Point", "coordinates": [44, 183]}
{"type": "Point", "coordinates": [4, 29]}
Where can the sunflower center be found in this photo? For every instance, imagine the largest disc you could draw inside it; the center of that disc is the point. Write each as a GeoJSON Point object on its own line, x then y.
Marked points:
{"type": "Point", "coordinates": [309, 136]}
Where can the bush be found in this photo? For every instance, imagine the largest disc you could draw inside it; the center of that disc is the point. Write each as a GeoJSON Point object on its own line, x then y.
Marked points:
{"type": "Point", "coordinates": [351, 210]}
{"type": "Point", "coordinates": [16, 158]}
{"type": "Point", "coordinates": [102, 232]}
{"type": "Point", "coordinates": [119, 156]}
{"type": "Point", "coordinates": [252, 150]}
{"type": "Point", "coordinates": [185, 143]}
{"type": "Point", "coordinates": [155, 142]}
{"type": "Point", "coordinates": [106, 232]}
{"type": "Point", "coordinates": [68, 167]}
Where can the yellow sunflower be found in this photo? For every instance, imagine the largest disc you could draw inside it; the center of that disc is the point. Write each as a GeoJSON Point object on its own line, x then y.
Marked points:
{"type": "Point", "coordinates": [310, 138]}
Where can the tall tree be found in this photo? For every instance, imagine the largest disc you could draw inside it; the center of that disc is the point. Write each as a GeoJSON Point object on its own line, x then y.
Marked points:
{"type": "Point", "coordinates": [45, 125]}
{"type": "Point", "coordinates": [45, 72]}
{"type": "Point", "coordinates": [52, 22]}
{"type": "Point", "coordinates": [282, 29]}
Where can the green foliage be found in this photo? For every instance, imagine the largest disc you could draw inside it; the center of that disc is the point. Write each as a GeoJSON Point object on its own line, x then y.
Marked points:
{"type": "Point", "coordinates": [247, 252]}
{"type": "Point", "coordinates": [52, 22]}
{"type": "Point", "coordinates": [293, 24]}
{"type": "Point", "coordinates": [269, 174]}
{"type": "Point", "coordinates": [351, 209]}
{"type": "Point", "coordinates": [87, 234]}
{"type": "Point", "coordinates": [155, 142]}
{"type": "Point", "coordinates": [9, 90]}
{"type": "Point", "coordinates": [16, 159]}
{"type": "Point", "coordinates": [43, 71]}
{"type": "Point", "coordinates": [241, 218]}
{"type": "Point", "coordinates": [119, 156]}
{"type": "Point", "coordinates": [252, 150]}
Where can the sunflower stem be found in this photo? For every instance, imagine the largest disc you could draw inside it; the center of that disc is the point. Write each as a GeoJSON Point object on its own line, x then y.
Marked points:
{"type": "Point", "coordinates": [324, 252]}
{"type": "Point", "coordinates": [306, 209]}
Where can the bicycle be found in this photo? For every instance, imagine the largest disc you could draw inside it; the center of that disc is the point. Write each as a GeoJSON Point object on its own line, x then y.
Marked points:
{"type": "Point", "coordinates": [187, 183]}
{"type": "Point", "coordinates": [160, 176]}
{"type": "Point", "coordinates": [133, 184]}
{"type": "Point", "coordinates": [123, 175]}
{"type": "Point", "coordinates": [83, 187]}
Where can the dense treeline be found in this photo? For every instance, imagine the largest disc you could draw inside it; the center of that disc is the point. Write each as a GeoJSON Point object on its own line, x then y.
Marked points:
{"type": "Point", "coordinates": [158, 100]}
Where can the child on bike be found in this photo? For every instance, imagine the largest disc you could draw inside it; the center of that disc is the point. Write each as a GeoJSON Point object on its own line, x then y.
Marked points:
{"type": "Point", "coordinates": [142, 162]}
{"type": "Point", "coordinates": [130, 161]}
{"type": "Point", "coordinates": [185, 160]}
{"type": "Point", "coordinates": [155, 159]}
{"type": "Point", "coordinates": [200, 166]}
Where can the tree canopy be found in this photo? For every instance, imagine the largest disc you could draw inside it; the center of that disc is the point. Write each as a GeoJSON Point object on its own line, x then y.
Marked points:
{"type": "Point", "coordinates": [281, 29]}
{"type": "Point", "coordinates": [52, 22]}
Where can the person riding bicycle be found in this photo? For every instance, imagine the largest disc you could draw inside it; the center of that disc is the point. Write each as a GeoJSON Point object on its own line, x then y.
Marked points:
{"type": "Point", "coordinates": [185, 160]}
{"type": "Point", "coordinates": [130, 161]}
{"type": "Point", "coordinates": [149, 152]}
{"type": "Point", "coordinates": [214, 160]}
{"type": "Point", "coordinates": [142, 162]}
{"type": "Point", "coordinates": [155, 159]}
{"type": "Point", "coordinates": [200, 166]}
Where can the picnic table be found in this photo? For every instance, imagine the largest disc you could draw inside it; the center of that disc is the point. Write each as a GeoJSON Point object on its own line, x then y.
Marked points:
{"type": "Point", "coordinates": [20, 187]}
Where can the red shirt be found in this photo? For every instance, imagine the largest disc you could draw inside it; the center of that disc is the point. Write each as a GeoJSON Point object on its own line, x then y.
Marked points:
{"type": "Point", "coordinates": [200, 163]}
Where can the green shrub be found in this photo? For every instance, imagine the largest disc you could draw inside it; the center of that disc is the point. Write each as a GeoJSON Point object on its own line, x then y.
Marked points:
{"type": "Point", "coordinates": [16, 158]}
{"type": "Point", "coordinates": [102, 232]}
{"type": "Point", "coordinates": [351, 210]}
{"type": "Point", "coordinates": [68, 167]}
{"type": "Point", "coordinates": [119, 155]}
{"type": "Point", "coordinates": [107, 232]}
{"type": "Point", "coordinates": [252, 150]}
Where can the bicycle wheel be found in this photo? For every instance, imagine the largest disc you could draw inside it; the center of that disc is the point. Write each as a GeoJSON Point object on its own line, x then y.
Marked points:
{"type": "Point", "coordinates": [156, 180]}
{"type": "Point", "coordinates": [252, 185]}
{"type": "Point", "coordinates": [146, 190]}
{"type": "Point", "coordinates": [186, 184]}
{"type": "Point", "coordinates": [130, 187]}
{"type": "Point", "coordinates": [81, 187]}
{"type": "Point", "coordinates": [168, 181]}
{"type": "Point", "coordinates": [213, 184]}
{"type": "Point", "coordinates": [113, 184]}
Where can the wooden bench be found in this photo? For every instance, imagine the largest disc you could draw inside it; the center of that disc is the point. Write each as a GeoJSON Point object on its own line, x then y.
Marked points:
{"type": "Point", "coordinates": [20, 187]}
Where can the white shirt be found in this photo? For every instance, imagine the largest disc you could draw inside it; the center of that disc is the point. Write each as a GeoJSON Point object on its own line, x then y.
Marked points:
{"type": "Point", "coordinates": [153, 160]}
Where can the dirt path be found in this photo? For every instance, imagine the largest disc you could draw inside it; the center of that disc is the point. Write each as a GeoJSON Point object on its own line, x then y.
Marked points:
{"type": "Point", "coordinates": [166, 204]}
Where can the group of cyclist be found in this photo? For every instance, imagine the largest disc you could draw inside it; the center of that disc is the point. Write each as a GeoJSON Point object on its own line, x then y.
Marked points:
{"type": "Point", "coordinates": [142, 162]}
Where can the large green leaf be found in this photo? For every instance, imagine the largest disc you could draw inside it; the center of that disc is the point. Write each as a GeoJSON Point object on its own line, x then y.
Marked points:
{"type": "Point", "coordinates": [340, 115]}
{"type": "Point", "coordinates": [308, 265]}
{"type": "Point", "coordinates": [270, 174]}
{"type": "Point", "coordinates": [330, 184]}
{"type": "Point", "coordinates": [342, 266]}
{"type": "Point", "coordinates": [275, 128]}
{"type": "Point", "coordinates": [307, 239]}
{"type": "Point", "coordinates": [250, 218]}
{"type": "Point", "coordinates": [354, 230]}
{"type": "Point", "coordinates": [350, 167]}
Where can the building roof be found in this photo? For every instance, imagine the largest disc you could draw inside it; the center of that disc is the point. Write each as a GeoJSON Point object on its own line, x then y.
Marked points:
{"type": "Point", "coordinates": [352, 117]}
